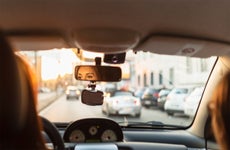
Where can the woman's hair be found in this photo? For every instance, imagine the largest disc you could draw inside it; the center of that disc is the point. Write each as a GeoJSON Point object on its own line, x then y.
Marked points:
{"type": "Point", "coordinates": [20, 126]}
{"type": "Point", "coordinates": [31, 134]}
{"type": "Point", "coordinates": [220, 112]}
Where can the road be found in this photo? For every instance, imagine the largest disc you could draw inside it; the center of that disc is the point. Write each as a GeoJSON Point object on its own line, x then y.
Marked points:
{"type": "Point", "coordinates": [63, 110]}
{"type": "Point", "coordinates": [45, 99]}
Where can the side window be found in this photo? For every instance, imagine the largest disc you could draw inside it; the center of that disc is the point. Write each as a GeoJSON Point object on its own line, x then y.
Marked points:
{"type": "Point", "coordinates": [145, 79]}
{"type": "Point", "coordinates": [160, 78]}
{"type": "Point", "coordinates": [139, 80]}
{"type": "Point", "coordinates": [152, 78]}
{"type": "Point", "coordinates": [171, 75]}
{"type": "Point", "coordinates": [189, 65]}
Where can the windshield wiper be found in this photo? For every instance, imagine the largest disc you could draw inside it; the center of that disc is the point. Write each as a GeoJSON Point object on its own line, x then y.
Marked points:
{"type": "Point", "coordinates": [149, 124]}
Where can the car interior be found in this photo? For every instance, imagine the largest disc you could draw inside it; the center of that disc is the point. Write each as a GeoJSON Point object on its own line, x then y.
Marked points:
{"type": "Point", "coordinates": [114, 28]}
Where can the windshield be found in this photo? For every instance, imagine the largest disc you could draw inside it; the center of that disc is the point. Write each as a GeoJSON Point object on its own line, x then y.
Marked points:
{"type": "Point", "coordinates": [158, 87]}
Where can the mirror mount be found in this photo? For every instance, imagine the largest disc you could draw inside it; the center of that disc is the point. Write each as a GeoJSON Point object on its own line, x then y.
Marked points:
{"type": "Point", "coordinates": [92, 85]}
{"type": "Point", "coordinates": [98, 61]}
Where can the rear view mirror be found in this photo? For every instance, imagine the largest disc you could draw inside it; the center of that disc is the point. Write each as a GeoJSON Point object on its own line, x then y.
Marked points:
{"type": "Point", "coordinates": [98, 73]}
{"type": "Point", "coordinates": [92, 97]}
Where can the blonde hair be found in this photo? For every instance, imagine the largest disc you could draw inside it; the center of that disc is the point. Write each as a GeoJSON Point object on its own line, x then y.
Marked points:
{"type": "Point", "coordinates": [31, 137]}
{"type": "Point", "coordinates": [20, 127]}
{"type": "Point", "coordinates": [219, 108]}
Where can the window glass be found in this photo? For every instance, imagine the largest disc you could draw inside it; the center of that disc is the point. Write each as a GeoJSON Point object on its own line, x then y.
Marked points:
{"type": "Point", "coordinates": [176, 76]}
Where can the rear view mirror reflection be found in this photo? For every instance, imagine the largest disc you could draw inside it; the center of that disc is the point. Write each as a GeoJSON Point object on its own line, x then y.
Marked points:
{"type": "Point", "coordinates": [98, 73]}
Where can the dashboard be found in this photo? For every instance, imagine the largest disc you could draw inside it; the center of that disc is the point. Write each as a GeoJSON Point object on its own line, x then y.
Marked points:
{"type": "Point", "coordinates": [93, 130]}
{"type": "Point", "coordinates": [105, 134]}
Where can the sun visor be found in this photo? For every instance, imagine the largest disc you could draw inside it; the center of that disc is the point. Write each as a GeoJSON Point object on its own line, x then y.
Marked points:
{"type": "Point", "coordinates": [106, 40]}
{"type": "Point", "coordinates": [170, 45]}
{"type": "Point", "coordinates": [37, 42]}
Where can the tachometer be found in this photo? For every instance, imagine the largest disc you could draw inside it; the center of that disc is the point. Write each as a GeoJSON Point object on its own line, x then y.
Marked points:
{"type": "Point", "coordinates": [77, 136]}
{"type": "Point", "coordinates": [108, 136]}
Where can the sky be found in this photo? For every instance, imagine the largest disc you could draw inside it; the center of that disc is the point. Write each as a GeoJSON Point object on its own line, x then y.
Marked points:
{"type": "Point", "coordinates": [57, 62]}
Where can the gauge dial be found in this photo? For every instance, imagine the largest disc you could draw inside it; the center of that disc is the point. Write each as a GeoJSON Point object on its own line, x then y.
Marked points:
{"type": "Point", "coordinates": [77, 136]}
{"type": "Point", "coordinates": [93, 130]}
{"type": "Point", "coordinates": [109, 136]}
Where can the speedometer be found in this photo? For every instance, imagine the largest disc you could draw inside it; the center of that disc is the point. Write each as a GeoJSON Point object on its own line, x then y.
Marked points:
{"type": "Point", "coordinates": [108, 136]}
{"type": "Point", "coordinates": [77, 136]}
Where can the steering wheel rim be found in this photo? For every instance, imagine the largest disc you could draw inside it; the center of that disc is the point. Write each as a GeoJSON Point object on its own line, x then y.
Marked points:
{"type": "Point", "coordinates": [53, 134]}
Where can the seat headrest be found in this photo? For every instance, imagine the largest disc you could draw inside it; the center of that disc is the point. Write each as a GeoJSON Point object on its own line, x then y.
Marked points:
{"type": "Point", "coordinates": [12, 91]}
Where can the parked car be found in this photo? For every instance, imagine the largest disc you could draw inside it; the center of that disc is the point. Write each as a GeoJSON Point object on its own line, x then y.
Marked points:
{"type": "Point", "coordinates": [149, 97]}
{"type": "Point", "coordinates": [139, 92]}
{"type": "Point", "coordinates": [175, 100]}
{"type": "Point", "coordinates": [122, 103]}
{"type": "Point", "coordinates": [162, 98]}
{"type": "Point", "coordinates": [192, 101]}
{"type": "Point", "coordinates": [72, 92]}
{"type": "Point", "coordinates": [44, 90]}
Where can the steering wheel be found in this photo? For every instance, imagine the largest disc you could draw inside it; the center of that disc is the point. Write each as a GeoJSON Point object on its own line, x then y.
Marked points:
{"type": "Point", "coordinates": [53, 134]}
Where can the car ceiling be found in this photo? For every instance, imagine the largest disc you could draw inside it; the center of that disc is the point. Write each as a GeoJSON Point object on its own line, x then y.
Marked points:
{"type": "Point", "coordinates": [111, 26]}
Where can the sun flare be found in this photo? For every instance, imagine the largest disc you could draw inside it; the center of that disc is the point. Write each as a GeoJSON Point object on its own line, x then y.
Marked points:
{"type": "Point", "coordinates": [58, 62]}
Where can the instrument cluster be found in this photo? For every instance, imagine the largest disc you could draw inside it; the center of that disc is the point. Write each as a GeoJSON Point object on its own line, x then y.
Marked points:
{"type": "Point", "coordinates": [93, 130]}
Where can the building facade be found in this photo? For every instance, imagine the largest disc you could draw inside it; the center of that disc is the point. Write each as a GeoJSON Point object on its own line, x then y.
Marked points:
{"type": "Point", "coordinates": [164, 71]}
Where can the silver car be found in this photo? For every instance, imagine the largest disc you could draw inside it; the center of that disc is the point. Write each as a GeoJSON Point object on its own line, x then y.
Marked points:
{"type": "Point", "coordinates": [122, 103]}
{"type": "Point", "coordinates": [72, 92]}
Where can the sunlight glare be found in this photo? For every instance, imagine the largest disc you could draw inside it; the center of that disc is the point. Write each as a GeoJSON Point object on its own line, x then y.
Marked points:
{"type": "Point", "coordinates": [58, 62]}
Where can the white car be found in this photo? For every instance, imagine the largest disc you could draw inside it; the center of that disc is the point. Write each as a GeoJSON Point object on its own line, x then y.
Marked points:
{"type": "Point", "coordinates": [175, 100]}
{"type": "Point", "coordinates": [122, 103]}
{"type": "Point", "coordinates": [72, 92]}
{"type": "Point", "coordinates": [192, 101]}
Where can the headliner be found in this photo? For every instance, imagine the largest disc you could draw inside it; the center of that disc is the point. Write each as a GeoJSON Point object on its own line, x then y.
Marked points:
{"type": "Point", "coordinates": [202, 19]}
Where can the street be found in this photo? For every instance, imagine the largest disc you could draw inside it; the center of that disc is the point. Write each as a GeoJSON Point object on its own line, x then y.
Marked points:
{"type": "Point", "coordinates": [63, 110]}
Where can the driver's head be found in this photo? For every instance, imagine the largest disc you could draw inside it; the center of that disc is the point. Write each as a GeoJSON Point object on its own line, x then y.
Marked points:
{"type": "Point", "coordinates": [19, 124]}
{"type": "Point", "coordinates": [31, 123]}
